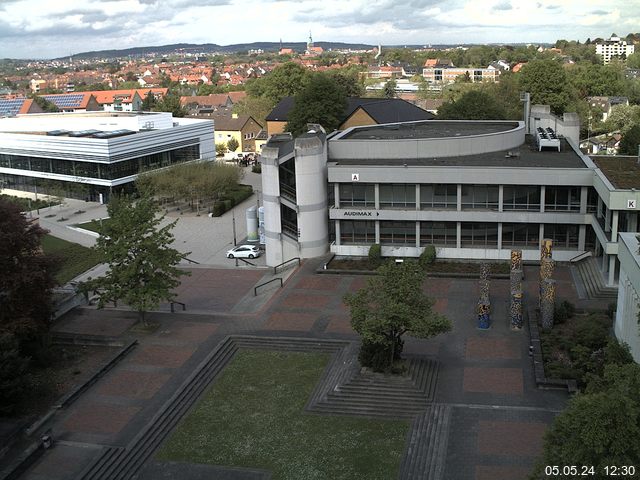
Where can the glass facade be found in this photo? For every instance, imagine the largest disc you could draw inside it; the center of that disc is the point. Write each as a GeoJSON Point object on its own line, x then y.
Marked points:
{"type": "Point", "coordinates": [441, 234]}
{"type": "Point", "coordinates": [289, 219]}
{"type": "Point", "coordinates": [520, 235]}
{"type": "Point", "coordinates": [521, 197]}
{"type": "Point", "coordinates": [480, 197]}
{"type": "Point", "coordinates": [562, 199]}
{"type": "Point", "coordinates": [476, 234]}
{"type": "Point", "coordinates": [398, 233]}
{"type": "Point", "coordinates": [104, 171]}
{"type": "Point", "coordinates": [357, 195]}
{"type": "Point", "coordinates": [287, 175]}
{"type": "Point", "coordinates": [357, 232]}
{"type": "Point", "coordinates": [439, 197]}
{"type": "Point", "coordinates": [564, 236]}
{"type": "Point", "coordinates": [400, 195]}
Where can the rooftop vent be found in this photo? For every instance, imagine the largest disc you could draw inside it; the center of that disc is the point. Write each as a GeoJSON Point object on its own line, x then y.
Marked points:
{"type": "Point", "coordinates": [547, 138]}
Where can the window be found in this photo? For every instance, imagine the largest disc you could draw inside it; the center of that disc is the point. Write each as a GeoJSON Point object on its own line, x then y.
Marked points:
{"type": "Point", "coordinates": [521, 197]}
{"type": "Point", "coordinates": [438, 233]}
{"type": "Point", "coordinates": [592, 200]}
{"type": "Point", "coordinates": [564, 236]}
{"type": "Point", "coordinates": [357, 232]}
{"type": "Point", "coordinates": [398, 233]}
{"type": "Point", "coordinates": [480, 197]}
{"type": "Point", "coordinates": [520, 235]}
{"type": "Point", "coordinates": [398, 196]}
{"type": "Point", "coordinates": [357, 195]}
{"type": "Point", "coordinates": [479, 234]}
{"type": "Point", "coordinates": [565, 199]}
{"type": "Point", "coordinates": [439, 197]}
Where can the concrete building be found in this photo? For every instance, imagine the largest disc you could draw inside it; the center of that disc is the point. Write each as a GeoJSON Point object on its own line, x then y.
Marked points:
{"type": "Point", "coordinates": [626, 325]}
{"type": "Point", "coordinates": [91, 154]}
{"type": "Point", "coordinates": [614, 47]}
{"type": "Point", "coordinates": [445, 75]}
{"type": "Point", "coordinates": [474, 189]}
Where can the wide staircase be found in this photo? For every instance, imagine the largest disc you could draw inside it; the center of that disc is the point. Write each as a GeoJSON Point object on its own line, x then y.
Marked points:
{"type": "Point", "coordinates": [593, 280]}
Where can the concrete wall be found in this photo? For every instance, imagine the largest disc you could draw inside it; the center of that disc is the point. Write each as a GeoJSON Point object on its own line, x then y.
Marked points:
{"type": "Point", "coordinates": [626, 324]}
{"type": "Point", "coordinates": [567, 126]}
{"type": "Point", "coordinates": [311, 195]}
{"type": "Point", "coordinates": [271, 202]}
{"type": "Point", "coordinates": [346, 148]}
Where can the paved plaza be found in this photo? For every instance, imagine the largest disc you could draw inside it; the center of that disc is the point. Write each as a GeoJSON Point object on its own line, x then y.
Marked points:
{"type": "Point", "coordinates": [485, 380]}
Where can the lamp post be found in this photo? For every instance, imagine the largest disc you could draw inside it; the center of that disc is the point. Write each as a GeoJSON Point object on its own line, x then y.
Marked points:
{"type": "Point", "coordinates": [233, 220]}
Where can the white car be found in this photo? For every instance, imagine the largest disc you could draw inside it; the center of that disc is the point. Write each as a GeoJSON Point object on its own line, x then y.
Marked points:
{"type": "Point", "coordinates": [244, 251]}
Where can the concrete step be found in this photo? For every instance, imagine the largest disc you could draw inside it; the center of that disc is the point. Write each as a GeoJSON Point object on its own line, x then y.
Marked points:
{"type": "Point", "coordinates": [593, 280]}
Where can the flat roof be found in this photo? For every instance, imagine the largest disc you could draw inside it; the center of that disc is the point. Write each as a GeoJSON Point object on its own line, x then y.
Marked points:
{"type": "Point", "coordinates": [622, 171]}
{"type": "Point", "coordinates": [428, 129]}
{"type": "Point", "coordinates": [524, 156]}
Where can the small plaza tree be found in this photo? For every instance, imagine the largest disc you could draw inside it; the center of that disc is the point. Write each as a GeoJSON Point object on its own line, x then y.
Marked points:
{"type": "Point", "coordinates": [393, 304]}
{"type": "Point", "coordinates": [143, 268]}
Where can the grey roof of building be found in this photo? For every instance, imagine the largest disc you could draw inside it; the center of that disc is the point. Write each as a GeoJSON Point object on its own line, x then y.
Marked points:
{"type": "Point", "coordinates": [524, 156]}
{"type": "Point", "coordinates": [435, 129]}
{"type": "Point", "coordinates": [382, 110]}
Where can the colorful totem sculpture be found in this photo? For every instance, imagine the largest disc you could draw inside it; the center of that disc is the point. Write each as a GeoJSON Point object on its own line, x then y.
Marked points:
{"type": "Point", "coordinates": [516, 295]}
{"type": "Point", "coordinates": [547, 303]}
{"type": "Point", "coordinates": [484, 305]}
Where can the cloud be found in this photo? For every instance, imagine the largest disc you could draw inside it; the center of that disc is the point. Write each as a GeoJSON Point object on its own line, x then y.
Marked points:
{"type": "Point", "coordinates": [503, 6]}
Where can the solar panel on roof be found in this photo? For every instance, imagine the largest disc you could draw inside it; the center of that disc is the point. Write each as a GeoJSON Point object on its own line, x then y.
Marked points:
{"type": "Point", "coordinates": [113, 133]}
{"type": "Point", "coordinates": [84, 133]}
{"type": "Point", "coordinates": [57, 133]}
{"type": "Point", "coordinates": [11, 106]}
{"type": "Point", "coordinates": [69, 101]}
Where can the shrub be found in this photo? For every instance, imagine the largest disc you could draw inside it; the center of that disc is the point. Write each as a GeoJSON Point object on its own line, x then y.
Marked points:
{"type": "Point", "coordinates": [375, 255]}
{"type": "Point", "coordinates": [428, 256]}
{"type": "Point", "coordinates": [257, 168]}
{"type": "Point", "coordinates": [228, 204]}
{"type": "Point", "coordinates": [611, 309]}
{"type": "Point", "coordinates": [13, 367]}
{"type": "Point", "coordinates": [617, 353]}
{"type": "Point", "coordinates": [563, 311]}
{"type": "Point", "coordinates": [218, 209]}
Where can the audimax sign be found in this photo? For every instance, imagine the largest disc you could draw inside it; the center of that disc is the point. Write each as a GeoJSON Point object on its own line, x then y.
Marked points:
{"type": "Point", "coordinates": [360, 213]}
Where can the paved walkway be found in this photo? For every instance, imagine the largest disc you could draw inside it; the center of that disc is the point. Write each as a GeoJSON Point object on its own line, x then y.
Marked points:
{"type": "Point", "coordinates": [498, 415]}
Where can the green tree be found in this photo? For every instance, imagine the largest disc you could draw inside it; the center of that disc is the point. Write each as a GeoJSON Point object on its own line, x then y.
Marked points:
{"type": "Point", "coordinates": [393, 303]}
{"type": "Point", "coordinates": [622, 118]}
{"type": "Point", "coordinates": [601, 427]}
{"type": "Point", "coordinates": [26, 280]}
{"type": "Point", "coordinates": [546, 81]}
{"type": "Point", "coordinates": [321, 101]}
{"type": "Point", "coordinates": [221, 149]}
{"type": "Point", "coordinates": [131, 77]}
{"type": "Point", "coordinates": [473, 105]}
{"type": "Point", "coordinates": [45, 105]}
{"type": "Point", "coordinates": [170, 103]}
{"type": "Point", "coordinates": [349, 81]}
{"type": "Point", "coordinates": [630, 142]}
{"type": "Point", "coordinates": [149, 102]}
{"type": "Point", "coordinates": [143, 268]}
{"type": "Point", "coordinates": [389, 89]}
{"type": "Point", "coordinates": [233, 145]}
{"type": "Point", "coordinates": [633, 60]}
{"type": "Point", "coordinates": [13, 367]}
{"type": "Point", "coordinates": [284, 81]}
{"type": "Point", "coordinates": [256, 107]}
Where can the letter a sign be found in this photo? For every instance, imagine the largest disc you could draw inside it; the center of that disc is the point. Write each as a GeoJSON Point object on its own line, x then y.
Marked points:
{"type": "Point", "coordinates": [355, 177]}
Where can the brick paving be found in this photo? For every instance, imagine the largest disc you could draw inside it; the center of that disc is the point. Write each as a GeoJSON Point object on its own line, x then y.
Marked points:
{"type": "Point", "coordinates": [498, 415]}
{"type": "Point", "coordinates": [99, 418]}
{"type": "Point", "coordinates": [510, 438]}
{"type": "Point", "coordinates": [126, 383]}
{"type": "Point", "coordinates": [493, 380]}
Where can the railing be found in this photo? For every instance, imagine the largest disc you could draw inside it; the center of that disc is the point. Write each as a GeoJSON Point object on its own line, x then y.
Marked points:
{"type": "Point", "coordinates": [173, 303]}
{"type": "Point", "coordinates": [255, 289]}
{"type": "Point", "coordinates": [190, 261]}
{"type": "Point", "coordinates": [288, 192]}
{"type": "Point", "coordinates": [275, 269]}
{"type": "Point", "coordinates": [581, 256]}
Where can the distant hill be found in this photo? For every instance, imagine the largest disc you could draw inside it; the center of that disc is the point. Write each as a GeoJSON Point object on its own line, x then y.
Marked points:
{"type": "Point", "coordinates": [214, 48]}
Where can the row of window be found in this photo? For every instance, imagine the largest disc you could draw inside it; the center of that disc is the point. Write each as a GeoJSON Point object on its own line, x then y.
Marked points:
{"type": "Point", "coordinates": [105, 171]}
{"type": "Point", "coordinates": [480, 197]}
{"type": "Point", "coordinates": [444, 234]}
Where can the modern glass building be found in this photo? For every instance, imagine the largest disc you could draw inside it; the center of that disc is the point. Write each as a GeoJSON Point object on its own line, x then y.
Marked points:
{"type": "Point", "coordinates": [86, 155]}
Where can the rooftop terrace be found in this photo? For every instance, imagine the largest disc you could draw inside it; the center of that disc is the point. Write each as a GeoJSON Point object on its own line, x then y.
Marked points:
{"type": "Point", "coordinates": [622, 171]}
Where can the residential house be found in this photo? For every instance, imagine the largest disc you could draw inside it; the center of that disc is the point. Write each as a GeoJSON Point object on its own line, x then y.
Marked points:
{"type": "Point", "coordinates": [359, 111]}
{"type": "Point", "coordinates": [243, 128]}
{"type": "Point", "coordinates": [74, 102]}
{"type": "Point", "coordinates": [605, 104]}
{"type": "Point", "coordinates": [445, 75]}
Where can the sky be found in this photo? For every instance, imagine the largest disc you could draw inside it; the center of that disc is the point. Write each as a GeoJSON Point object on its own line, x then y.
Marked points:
{"type": "Point", "coordinates": [55, 28]}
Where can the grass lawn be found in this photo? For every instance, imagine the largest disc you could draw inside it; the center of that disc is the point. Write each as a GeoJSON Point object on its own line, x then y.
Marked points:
{"type": "Point", "coordinates": [93, 225]}
{"type": "Point", "coordinates": [253, 417]}
{"type": "Point", "coordinates": [74, 259]}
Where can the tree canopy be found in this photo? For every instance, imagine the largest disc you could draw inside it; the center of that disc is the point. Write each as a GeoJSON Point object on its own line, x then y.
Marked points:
{"type": "Point", "coordinates": [391, 304]}
{"type": "Point", "coordinates": [142, 266]}
{"type": "Point", "coordinates": [170, 103]}
{"type": "Point", "coordinates": [322, 100]}
{"type": "Point", "coordinates": [630, 141]}
{"type": "Point", "coordinates": [473, 105]}
{"type": "Point", "coordinates": [27, 275]}
{"type": "Point", "coordinates": [284, 81]}
{"type": "Point", "coordinates": [546, 81]}
{"type": "Point", "coordinates": [600, 427]}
